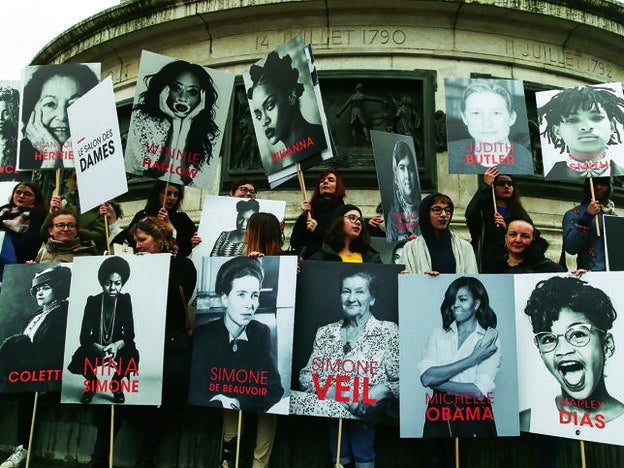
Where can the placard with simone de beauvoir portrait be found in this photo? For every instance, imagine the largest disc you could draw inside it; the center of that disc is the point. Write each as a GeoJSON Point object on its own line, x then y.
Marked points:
{"type": "Point", "coordinates": [487, 125]}
{"type": "Point", "coordinates": [458, 356]}
{"type": "Point", "coordinates": [346, 345]}
{"type": "Point", "coordinates": [114, 341]}
{"type": "Point", "coordinates": [178, 120]}
{"type": "Point", "coordinates": [570, 334]}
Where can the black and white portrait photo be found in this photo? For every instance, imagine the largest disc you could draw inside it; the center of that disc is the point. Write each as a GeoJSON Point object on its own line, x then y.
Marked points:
{"type": "Point", "coordinates": [613, 229]}
{"type": "Point", "coordinates": [487, 125]}
{"type": "Point", "coordinates": [178, 120]}
{"type": "Point", "coordinates": [242, 346]}
{"type": "Point", "coordinates": [569, 336]}
{"type": "Point", "coordinates": [397, 174]}
{"type": "Point", "coordinates": [346, 346]}
{"type": "Point", "coordinates": [48, 91]}
{"type": "Point", "coordinates": [581, 131]}
{"type": "Point", "coordinates": [9, 118]}
{"type": "Point", "coordinates": [116, 329]}
{"type": "Point", "coordinates": [458, 356]}
{"type": "Point", "coordinates": [284, 107]}
{"type": "Point", "coordinates": [33, 315]}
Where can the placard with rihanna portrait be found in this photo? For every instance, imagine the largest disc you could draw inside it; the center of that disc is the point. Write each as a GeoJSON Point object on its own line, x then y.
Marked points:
{"type": "Point", "coordinates": [44, 126]}
{"type": "Point", "coordinates": [487, 125]}
{"type": "Point", "coordinates": [284, 108]}
{"type": "Point", "coordinates": [242, 349]}
{"type": "Point", "coordinates": [178, 120]}
{"type": "Point", "coordinates": [397, 173]}
{"type": "Point", "coordinates": [33, 315]}
{"type": "Point", "coordinates": [458, 356]}
{"type": "Point", "coordinates": [9, 118]}
{"type": "Point", "coordinates": [346, 345]}
{"type": "Point", "coordinates": [116, 330]}
{"type": "Point", "coordinates": [570, 339]}
{"type": "Point", "coordinates": [581, 131]}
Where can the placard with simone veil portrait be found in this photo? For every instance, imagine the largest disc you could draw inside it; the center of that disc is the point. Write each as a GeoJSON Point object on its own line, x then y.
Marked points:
{"type": "Point", "coordinates": [487, 125]}
{"type": "Point", "coordinates": [114, 341]}
{"type": "Point", "coordinates": [44, 138]}
{"type": "Point", "coordinates": [570, 339]}
{"type": "Point", "coordinates": [458, 356]}
{"type": "Point", "coordinates": [346, 344]}
{"type": "Point", "coordinates": [397, 174]}
{"type": "Point", "coordinates": [581, 131]}
{"type": "Point", "coordinates": [242, 341]}
{"type": "Point", "coordinates": [178, 120]}
{"type": "Point", "coordinates": [9, 118]}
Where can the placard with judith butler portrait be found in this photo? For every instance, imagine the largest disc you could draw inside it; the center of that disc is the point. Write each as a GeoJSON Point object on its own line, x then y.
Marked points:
{"type": "Point", "coordinates": [487, 125]}
{"type": "Point", "coordinates": [346, 346]}
{"type": "Point", "coordinates": [458, 356]}
{"type": "Point", "coordinates": [570, 339]}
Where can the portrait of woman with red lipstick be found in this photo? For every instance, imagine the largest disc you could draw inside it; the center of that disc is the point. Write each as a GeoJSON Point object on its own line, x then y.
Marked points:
{"type": "Point", "coordinates": [572, 322]}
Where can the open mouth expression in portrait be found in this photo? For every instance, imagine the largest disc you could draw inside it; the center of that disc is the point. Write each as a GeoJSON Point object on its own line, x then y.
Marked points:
{"type": "Point", "coordinates": [184, 94]}
{"type": "Point", "coordinates": [44, 294]}
{"type": "Point", "coordinates": [56, 96]}
{"type": "Point", "coordinates": [170, 198]}
{"type": "Point", "coordinates": [465, 306]}
{"type": "Point", "coordinates": [406, 176]}
{"type": "Point", "coordinates": [487, 118]}
{"type": "Point", "coordinates": [243, 300]}
{"type": "Point", "coordinates": [271, 108]}
{"type": "Point", "coordinates": [519, 236]}
{"type": "Point", "coordinates": [112, 285]}
{"type": "Point", "coordinates": [585, 131]}
{"type": "Point", "coordinates": [579, 370]}
{"type": "Point", "coordinates": [356, 297]}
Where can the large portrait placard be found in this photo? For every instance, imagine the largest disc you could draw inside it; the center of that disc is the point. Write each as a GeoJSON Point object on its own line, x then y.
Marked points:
{"type": "Point", "coordinates": [487, 126]}
{"type": "Point", "coordinates": [9, 118]}
{"type": "Point", "coordinates": [613, 228]}
{"type": "Point", "coordinates": [178, 120]}
{"type": "Point", "coordinates": [569, 336]}
{"type": "Point", "coordinates": [116, 330]}
{"type": "Point", "coordinates": [346, 345]}
{"type": "Point", "coordinates": [458, 356]}
{"type": "Point", "coordinates": [242, 348]}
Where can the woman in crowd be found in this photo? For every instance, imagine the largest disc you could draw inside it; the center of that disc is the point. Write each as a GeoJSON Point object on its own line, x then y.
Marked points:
{"type": "Point", "coordinates": [64, 243]}
{"type": "Point", "coordinates": [487, 228]}
{"type": "Point", "coordinates": [176, 114]}
{"type": "Point", "coordinates": [231, 243]}
{"type": "Point", "coordinates": [47, 94]}
{"type": "Point", "coordinates": [107, 328]}
{"type": "Point", "coordinates": [309, 229]}
{"type": "Point", "coordinates": [164, 201]}
{"type": "Point", "coordinates": [523, 251]}
{"type": "Point", "coordinates": [22, 218]}
{"type": "Point", "coordinates": [462, 358]}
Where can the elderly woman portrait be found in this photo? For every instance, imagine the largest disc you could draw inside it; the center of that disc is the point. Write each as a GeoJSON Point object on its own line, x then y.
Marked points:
{"type": "Point", "coordinates": [572, 321]}
{"type": "Point", "coordinates": [360, 338]}
{"type": "Point", "coordinates": [275, 90]}
{"type": "Point", "coordinates": [39, 346]}
{"type": "Point", "coordinates": [402, 219]}
{"type": "Point", "coordinates": [231, 243]}
{"type": "Point", "coordinates": [173, 122]}
{"type": "Point", "coordinates": [462, 358]}
{"type": "Point", "coordinates": [49, 91]}
{"type": "Point", "coordinates": [107, 330]}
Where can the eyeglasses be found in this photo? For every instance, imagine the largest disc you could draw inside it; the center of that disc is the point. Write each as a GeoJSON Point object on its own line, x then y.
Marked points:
{"type": "Point", "coordinates": [61, 226]}
{"type": "Point", "coordinates": [438, 210]}
{"type": "Point", "coordinates": [577, 335]}
{"type": "Point", "coordinates": [504, 183]}
{"type": "Point", "coordinates": [354, 219]}
{"type": "Point", "coordinates": [24, 193]}
{"type": "Point", "coordinates": [244, 189]}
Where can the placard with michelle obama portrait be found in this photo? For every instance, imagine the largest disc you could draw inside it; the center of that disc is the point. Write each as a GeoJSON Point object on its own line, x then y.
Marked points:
{"type": "Point", "coordinates": [458, 356]}
{"type": "Point", "coordinates": [114, 341]}
{"type": "Point", "coordinates": [242, 345]}
{"type": "Point", "coordinates": [178, 120]}
{"type": "Point", "coordinates": [346, 345]}
{"type": "Point", "coordinates": [570, 339]}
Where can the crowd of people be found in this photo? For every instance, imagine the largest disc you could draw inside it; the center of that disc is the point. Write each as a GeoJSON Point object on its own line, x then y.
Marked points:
{"type": "Point", "coordinates": [504, 239]}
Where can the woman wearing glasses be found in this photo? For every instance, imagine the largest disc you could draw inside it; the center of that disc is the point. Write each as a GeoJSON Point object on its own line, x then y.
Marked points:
{"type": "Point", "coordinates": [571, 321]}
{"type": "Point", "coordinates": [64, 243]}
{"type": "Point", "coordinates": [487, 228]}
